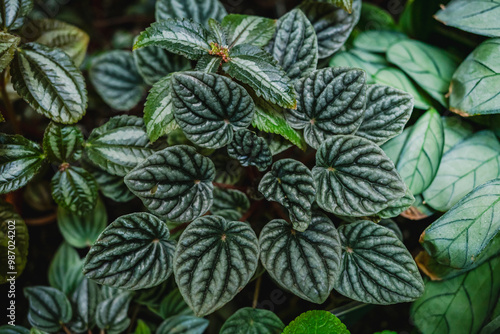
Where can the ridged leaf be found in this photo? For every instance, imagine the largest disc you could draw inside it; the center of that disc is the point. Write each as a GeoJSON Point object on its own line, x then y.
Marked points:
{"type": "Point", "coordinates": [175, 183]}
{"type": "Point", "coordinates": [8, 45]}
{"type": "Point", "coordinates": [208, 64]}
{"type": "Point", "coordinates": [173, 304]}
{"type": "Point", "coordinates": [214, 260]}
{"type": "Point", "coordinates": [183, 324]}
{"type": "Point", "coordinates": [317, 321]}
{"type": "Point", "coordinates": [376, 266]}
{"type": "Point", "coordinates": [250, 150]}
{"type": "Point", "coordinates": [85, 298]}
{"type": "Point", "coordinates": [384, 39]}
{"type": "Point", "coordinates": [198, 10]}
{"type": "Point", "coordinates": [304, 263]}
{"type": "Point", "coordinates": [62, 143]}
{"type": "Point", "coordinates": [225, 199]}
{"type": "Point", "coordinates": [134, 252]}
{"type": "Point", "coordinates": [13, 13]}
{"type": "Point", "coordinates": [398, 206]}
{"type": "Point", "coordinates": [330, 102]}
{"type": "Point", "coordinates": [74, 189]}
{"type": "Point", "coordinates": [111, 313]}
{"type": "Point", "coordinates": [371, 63]}
{"type": "Point", "coordinates": [17, 329]}
{"type": "Point", "coordinates": [209, 107]}
{"type": "Point", "coordinates": [252, 321]}
{"type": "Point", "coordinates": [48, 81]}
{"type": "Point", "coordinates": [391, 225]}
{"type": "Point", "coordinates": [455, 131]}
{"type": "Point", "coordinates": [248, 29]}
{"type": "Point", "coordinates": [49, 308]}
{"type": "Point", "coordinates": [111, 186]}
{"type": "Point", "coordinates": [354, 177]}
{"type": "Point", "coordinates": [65, 258]}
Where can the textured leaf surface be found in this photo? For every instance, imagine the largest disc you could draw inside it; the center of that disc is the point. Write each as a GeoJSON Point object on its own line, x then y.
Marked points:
{"type": "Point", "coordinates": [304, 263]}
{"type": "Point", "coordinates": [48, 309]}
{"type": "Point", "coordinates": [62, 143]}
{"type": "Point", "coordinates": [225, 199]}
{"type": "Point", "coordinates": [65, 258]}
{"type": "Point", "coordinates": [384, 39]}
{"type": "Point", "coordinates": [315, 322]}
{"type": "Point", "coordinates": [48, 80]}
{"type": "Point", "coordinates": [252, 321]}
{"type": "Point", "coordinates": [214, 260]}
{"type": "Point", "coordinates": [13, 12]}
{"type": "Point", "coordinates": [329, 102]}
{"type": "Point", "coordinates": [8, 45]}
{"type": "Point", "coordinates": [111, 186]}
{"type": "Point", "coordinates": [398, 206]}
{"type": "Point", "coordinates": [248, 29]}
{"type": "Point", "coordinates": [183, 324]}
{"type": "Point", "coordinates": [8, 329]}
{"type": "Point", "coordinates": [173, 304]}
{"type": "Point", "coordinates": [209, 107]}
{"type": "Point", "coordinates": [86, 298]}
{"type": "Point", "coordinates": [250, 150]}
{"type": "Point", "coordinates": [369, 62]}
{"type": "Point", "coordinates": [208, 64]}
{"type": "Point", "coordinates": [198, 10]}
{"type": "Point", "coordinates": [175, 183]}
{"type": "Point", "coordinates": [376, 266]}
{"type": "Point", "coordinates": [112, 313]}
{"type": "Point", "coordinates": [74, 189]}
{"type": "Point", "coordinates": [354, 177]}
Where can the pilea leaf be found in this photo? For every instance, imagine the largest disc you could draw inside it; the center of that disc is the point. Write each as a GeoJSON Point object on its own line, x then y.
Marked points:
{"type": "Point", "coordinates": [20, 160]}
{"type": "Point", "coordinates": [74, 189]}
{"type": "Point", "coordinates": [248, 29]}
{"type": "Point", "coordinates": [8, 45]}
{"type": "Point", "coordinates": [48, 80]}
{"type": "Point", "coordinates": [8, 329]}
{"type": "Point", "coordinates": [391, 225]}
{"type": "Point", "coordinates": [354, 177]}
{"type": "Point", "coordinates": [330, 101]}
{"type": "Point", "coordinates": [152, 297]}
{"type": "Point", "coordinates": [384, 38]}
{"type": "Point", "coordinates": [183, 324]}
{"type": "Point", "coordinates": [209, 107]}
{"type": "Point", "coordinates": [134, 252]}
{"type": "Point", "coordinates": [375, 18]}
{"type": "Point", "coordinates": [455, 131]}
{"type": "Point", "coordinates": [387, 112]}
{"type": "Point", "coordinates": [376, 266]}
{"type": "Point", "coordinates": [226, 199]}
{"type": "Point", "coordinates": [369, 62]}
{"type": "Point", "coordinates": [111, 186]}
{"type": "Point", "coordinates": [214, 260]}
{"type": "Point", "coordinates": [198, 10]}
{"type": "Point", "coordinates": [62, 143]}
{"type": "Point", "coordinates": [253, 321]}
{"type": "Point", "coordinates": [304, 263]}
{"type": "Point", "coordinates": [218, 32]}
{"type": "Point", "coordinates": [173, 304]}
{"type": "Point", "coordinates": [277, 144]}
{"type": "Point", "coordinates": [312, 322]}
{"type": "Point", "coordinates": [65, 258]}
{"type": "Point", "coordinates": [111, 313]}
{"type": "Point", "coordinates": [250, 150]}
{"type": "Point", "coordinates": [175, 183]}
{"type": "Point", "coordinates": [49, 308]}
{"type": "Point", "coordinates": [13, 13]}
{"type": "Point", "coordinates": [398, 206]}
{"type": "Point", "coordinates": [85, 298]}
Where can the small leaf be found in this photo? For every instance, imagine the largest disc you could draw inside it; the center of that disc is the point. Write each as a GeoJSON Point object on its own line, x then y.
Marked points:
{"type": "Point", "coordinates": [384, 39]}
{"type": "Point", "coordinates": [111, 313]}
{"type": "Point", "coordinates": [250, 150]}
{"type": "Point", "coordinates": [291, 184]}
{"type": "Point", "coordinates": [209, 107]}
{"type": "Point", "coordinates": [208, 64]}
{"type": "Point", "coordinates": [398, 206]}
{"type": "Point", "coordinates": [313, 322]}
{"type": "Point", "coordinates": [354, 177]}
{"type": "Point", "coordinates": [152, 297]}
{"type": "Point", "coordinates": [225, 199]}
{"type": "Point", "coordinates": [86, 298]}
{"type": "Point", "coordinates": [198, 10]}
{"type": "Point", "coordinates": [8, 45]}
{"type": "Point", "coordinates": [74, 189]}
{"type": "Point", "coordinates": [214, 260]}
{"type": "Point", "coordinates": [49, 308]}
{"type": "Point", "coordinates": [330, 101]}
{"type": "Point", "coordinates": [111, 186]}
{"type": "Point", "coordinates": [251, 320]}
{"type": "Point", "coordinates": [183, 324]}
{"type": "Point", "coordinates": [13, 13]}
{"type": "Point", "coordinates": [218, 32]}
{"type": "Point", "coordinates": [173, 304]}
{"type": "Point", "coordinates": [248, 29]}
{"type": "Point", "coordinates": [455, 131]}
{"type": "Point", "coordinates": [49, 82]}
{"type": "Point", "coordinates": [304, 263]}
{"type": "Point", "coordinates": [376, 266]}
{"type": "Point", "coordinates": [369, 62]}
{"type": "Point", "coordinates": [134, 252]}
{"type": "Point", "coordinates": [65, 258]}
{"type": "Point", "coordinates": [142, 328]}
{"type": "Point", "coordinates": [175, 183]}
{"type": "Point", "coordinates": [62, 143]}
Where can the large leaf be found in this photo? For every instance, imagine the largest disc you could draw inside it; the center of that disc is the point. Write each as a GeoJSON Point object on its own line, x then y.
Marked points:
{"type": "Point", "coordinates": [20, 160]}
{"type": "Point", "coordinates": [295, 45]}
{"type": "Point", "coordinates": [291, 184]}
{"type": "Point", "coordinates": [48, 80]}
{"type": "Point", "coordinates": [85, 298]}
{"type": "Point", "coordinates": [111, 314]}
{"type": "Point", "coordinates": [74, 189]}
{"type": "Point", "coordinates": [210, 107]}
{"type": "Point", "coordinates": [198, 10]}
{"type": "Point", "coordinates": [421, 155]}
{"type": "Point", "coordinates": [248, 29]}
{"type": "Point", "coordinates": [384, 39]}
{"type": "Point", "coordinates": [316, 322]}
{"type": "Point", "coordinates": [49, 308]}
{"type": "Point", "coordinates": [455, 130]}
{"type": "Point", "coordinates": [252, 321]}
{"type": "Point", "coordinates": [13, 12]}
{"type": "Point", "coordinates": [117, 80]}
{"type": "Point", "coordinates": [175, 183]}
{"type": "Point", "coordinates": [466, 166]}
{"type": "Point", "coordinates": [250, 150]}
{"type": "Point", "coordinates": [62, 143]}
{"type": "Point", "coordinates": [376, 266]}
{"type": "Point", "coordinates": [8, 45]}
{"type": "Point", "coordinates": [118, 145]}
{"type": "Point", "coordinates": [65, 258]}
{"type": "Point", "coordinates": [183, 324]}
{"type": "Point", "coordinates": [369, 62]}
{"type": "Point", "coordinates": [214, 260]}
{"type": "Point", "coordinates": [395, 145]}
{"type": "Point", "coordinates": [134, 252]}
{"type": "Point", "coordinates": [354, 177]}
{"type": "Point", "coordinates": [387, 112]}
{"type": "Point", "coordinates": [330, 102]}
{"type": "Point", "coordinates": [304, 263]}
{"type": "Point", "coordinates": [473, 84]}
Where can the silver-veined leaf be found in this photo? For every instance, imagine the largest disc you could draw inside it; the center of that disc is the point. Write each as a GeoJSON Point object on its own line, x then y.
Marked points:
{"type": "Point", "coordinates": [17, 329]}
{"type": "Point", "coordinates": [173, 304]}
{"type": "Point", "coordinates": [226, 199]}
{"type": "Point", "coordinates": [74, 189]}
{"type": "Point", "coordinates": [369, 62]}
{"type": "Point", "coordinates": [398, 206]}
{"type": "Point", "coordinates": [49, 308]}
{"type": "Point", "coordinates": [391, 225]}
{"type": "Point", "coordinates": [62, 143]}
{"type": "Point", "coordinates": [111, 314]}
{"type": "Point", "coordinates": [13, 12]}
{"type": "Point", "coordinates": [111, 186]}
{"type": "Point", "coordinates": [250, 150]}
{"type": "Point", "coordinates": [152, 297]}
{"type": "Point", "coordinates": [248, 29]}
{"type": "Point", "coordinates": [208, 64]}
{"type": "Point", "coordinates": [455, 130]}
{"type": "Point", "coordinates": [277, 144]}
{"type": "Point", "coordinates": [219, 34]}
{"type": "Point", "coordinates": [8, 45]}
{"type": "Point", "coordinates": [65, 258]}
{"type": "Point", "coordinates": [85, 298]}
{"type": "Point", "coordinates": [198, 10]}
{"type": "Point", "coordinates": [252, 321]}
{"type": "Point", "coordinates": [183, 324]}
{"type": "Point", "coordinates": [377, 41]}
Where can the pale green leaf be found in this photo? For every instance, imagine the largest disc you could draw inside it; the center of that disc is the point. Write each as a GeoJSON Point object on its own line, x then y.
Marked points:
{"type": "Point", "coordinates": [369, 62]}
{"type": "Point", "coordinates": [394, 146]}
{"type": "Point", "coordinates": [455, 130]}
{"type": "Point", "coordinates": [250, 150]}
{"type": "Point", "coordinates": [378, 41]}
{"type": "Point", "coordinates": [183, 324]}
{"type": "Point", "coordinates": [8, 45]}
{"type": "Point", "coordinates": [74, 189]}
{"type": "Point", "coordinates": [48, 308]}
{"type": "Point", "coordinates": [248, 29]}
{"type": "Point", "coordinates": [316, 322]}
{"type": "Point", "coordinates": [20, 250]}
{"type": "Point", "coordinates": [249, 320]}
{"type": "Point", "coordinates": [62, 143]}
{"type": "Point", "coordinates": [111, 314]}
{"type": "Point", "coordinates": [198, 10]}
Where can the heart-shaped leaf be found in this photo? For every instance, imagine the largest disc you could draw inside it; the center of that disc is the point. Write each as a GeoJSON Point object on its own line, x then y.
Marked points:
{"type": "Point", "coordinates": [183, 324]}
{"type": "Point", "coordinates": [198, 10]}
{"type": "Point", "coordinates": [225, 199]}
{"type": "Point", "coordinates": [111, 313]}
{"type": "Point", "coordinates": [49, 308]}
{"type": "Point", "coordinates": [455, 131]}
{"type": "Point", "coordinates": [250, 150]}
{"type": "Point", "coordinates": [13, 13]}
{"type": "Point", "coordinates": [74, 189]}
{"type": "Point", "coordinates": [369, 62]}
{"type": "Point", "coordinates": [133, 252]}
{"type": "Point", "coordinates": [62, 143]}
{"type": "Point", "coordinates": [209, 107]}
{"type": "Point", "coordinates": [214, 260]}
{"type": "Point", "coordinates": [8, 45]}
{"type": "Point", "coordinates": [354, 177]}
{"type": "Point", "coordinates": [376, 266]}
{"type": "Point", "coordinates": [175, 183]}
{"type": "Point", "coordinates": [65, 258]}
{"type": "Point", "coordinates": [330, 101]}
{"type": "Point", "coordinates": [316, 322]}
{"type": "Point", "coordinates": [291, 184]}
{"type": "Point", "coordinates": [251, 320]}
{"type": "Point", "coordinates": [85, 298]}
{"type": "Point", "coordinates": [384, 38]}
{"type": "Point", "coordinates": [304, 263]}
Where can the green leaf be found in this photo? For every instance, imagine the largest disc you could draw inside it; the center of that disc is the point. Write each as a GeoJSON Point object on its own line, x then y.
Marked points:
{"type": "Point", "coordinates": [291, 184]}
{"type": "Point", "coordinates": [398, 206]}
{"type": "Point", "coordinates": [65, 258]}
{"type": "Point", "coordinates": [354, 177]}
{"type": "Point", "coordinates": [111, 186]}
{"type": "Point", "coordinates": [371, 63]}
{"type": "Point", "coordinates": [225, 199]}
{"type": "Point", "coordinates": [295, 45]}
{"type": "Point", "coordinates": [9, 329]}
{"type": "Point", "coordinates": [180, 36]}
{"type": "Point", "coordinates": [111, 313]}
{"type": "Point", "coordinates": [316, 322]}
{"type": "Point", "coordinates": [431, 67]}
{"type": "Point", "coordinates": [49, 308]}
{"type": "Point", "coordinates": [183, 324]}
{"type": "Point", "coordinates": [330, 102]}
{"type": "Point", "coordinates": [117, 80]}
{"type": "Point", "coordinates": [277, 144]}
{"type": "Point", "coordinates": [67, 37]}
{"type": "Point", "coordinates": [175, 183]}
{"type": "Point", "coordinates": [20, 160]}
{"type": "Point", "coordinates": [248, 29]}
{"type": "Point", "coordinates": [142, 328]}
{"type": "Point", "coordinates": [13, 13]}
{"type": "Point", "coordinates": [384, 39]}
{"type": "Point", "coordinates": [472, 86]}
{"type": "Point", "coordinates": [198, 10]}
{"type": "Point", "coordinates": [394, 146]}
{"type": "Point", "coordinates": [376, 266]}
{"type": "Point", "coordinates": [8, 45]}
{"type": "Point", "coordinates": [49, 82]}
{"type": "Point", "coordinates": [421, 155]}
{"type": "Point", "coordinates": [391, 225]}
{"type": "Point", "coordinates": [455, 131]}
{"type": "Point", "coordinates": [375, 18]}
{"type": "Point", "coordinates": [475, 16]}
{"type": "Point", "coordinates": [62, 143]}
{"type": "Point", "coordinates": [85, 299]}
{"type": "Point", "coordinates": [214, 260]}
{"type": "Point", "coordinates": [119, 145]}
{"type": "Point", "coordinates": [152, 297]}
{"type": "Point", "coordinates": [344, 4]}
{"type": "Point", "coordinates": [134, 252]}
{"type": "Point", "coordinates": [173, 304]}
{"type": "Point", "coordinates": [74, 189]}
{"type": "Point", "coordinates": [218, 32]}
{"type": "Point", "coordinates": [252, 321]}
{"type": "Point", "coordinates": [387, 112]}
{"type": "Point", "coordinates": [466, 166]}
{"type": "Point", "coordinates": [208, 64]}
{"type": "Point", "coordinates": [333, 25]}
{"type": "Point", "coordinates": [416, 18]}
{"type": "Point", "coordinates": [250, 150]}
{"type": "Point", "coordinates": [210, 107]}
{"type": "Point", "coordinates": [304, 263]}
{"type": "Point", "coordinates": [255, 67]}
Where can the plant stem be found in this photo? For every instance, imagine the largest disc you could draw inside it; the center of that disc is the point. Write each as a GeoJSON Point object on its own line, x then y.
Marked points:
{"type": "Point", "coordinates": [255, 205]}
{"type": "Point", "coordinates": [134, 315]}
{"type": "Point", "coordinates": [256, 292]}
{"type": "Point", "coordinates": [42, 220]}
{"type": "Point", "coordinates": [11, 115]}
{"type": "Point", "coordinates": [66, 330]}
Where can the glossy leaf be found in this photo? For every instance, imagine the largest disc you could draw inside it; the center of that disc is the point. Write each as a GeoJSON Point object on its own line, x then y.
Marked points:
{"type": "Point", "coordinates": [65, 258]}
{"type": "Point", "coordinates": [369, 62]}
{"type": "Point", "coordinates": [384, 39]}
{"type": "Point", "coordinates": [250, 150]}
{"type": "Point", "coordinates": [183, 324]}
{"type": "Point", "coordinates": [248, 29]}
{"type": "Point", "coordinates": [111, 186]}
{"type": "Point", "coordinates": [111, 313]}
{"type": "Point", "coordinates": [74, 189]}
{"type": "Point", "coordinates": [455, 130]}
{"type": "Point", "coordinates": [85, 298]}
{"type": "Point", "coordinates": [49, 308]}
{"type": "Point", "coordinates": [226, 199]}
{"type": "Point", "coordinates": [8, 45]}
{"type": "Point", "coordinates": [198, 10]}
{"type": "Point", "coordinates": [13, 13]}
{"type": "Point", "coordinates": [312, 322]}
{"type": "Point", "coordinates": [62, 143]}
{"type": "Point", "coordinates": [252, 321]}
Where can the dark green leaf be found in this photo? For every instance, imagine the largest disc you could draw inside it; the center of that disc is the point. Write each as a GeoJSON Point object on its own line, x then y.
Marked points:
{"type": "Point", "coordinates": [250, 150]}
{"type": "Point", "coordinates": [375, 18]}
{"type": "Point", "coordinates": [62, 143]}
{"type": "Point", "coordinates": [369, 62]}
{"type": "Point", "coordinates": [378, 41]}
{"type": "Point", "coordinates": [49, 308]}
{"type": "Point", "coordinates": [85, 298]}
{"type": "Point", "coordinates": [228, 170]}
{"type": "Point", "coordinates": [218, 32]}
{"type": "Point", "coordinates": [152, 297]}
{"type": "Point", "coordinates": [249, 320]}
{"type": "Point", "coordinates": [455, 130]}
{"type": "Point", "coordinates": [9, 329]}
{"type": "Point", "coordinates": [248, 29]}
{"type": "Point", "coordinates": [315, 322]}
{"type": "Point", "coordinates": [208, 64]}
{"type": "Point", "coordinates": [111, 313]}
{"type": "Point", "coordinates": [344, 4]}
{"type": "Point", "coordinates": [111, 186]}
{"type": "Point", "coordinates": [65, 258]}
{"type": "Point", "coordinates": [225, 199]}
{"type": "Point", "coordinates": [277, 144]}
{"type": "Point", "coordinates": [13, 12]}
{"type": "Point", "coordinates": [8, 45]}
{"type": "Point", "coordinates": [183, 324]}
{"type": "Point", "coordinates": [391, 225]}
{"type": "Point", "coordinates": [74, 189]}
{"type": "Point", "coordinates": [173, 304]}
{"type": "Point", "coordinates": [198, 10]}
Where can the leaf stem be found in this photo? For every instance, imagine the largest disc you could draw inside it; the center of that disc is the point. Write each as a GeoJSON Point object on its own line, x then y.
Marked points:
{"type": "Point", "coordinates": [256, 292]}
{"type": "Point", "coordinates": [66, 330]}
{"type": "Point", "coordinates": [42, 220]}
{"type": "Point", "coordinates": [11, 115]}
